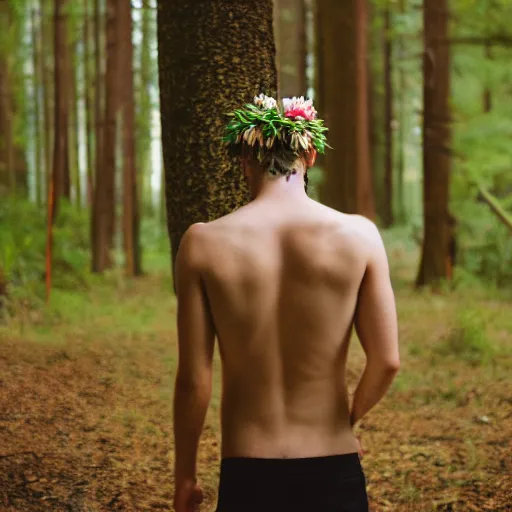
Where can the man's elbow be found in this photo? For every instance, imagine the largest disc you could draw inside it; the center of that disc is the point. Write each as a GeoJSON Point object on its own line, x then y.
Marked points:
{"type": "Point", "coordinates": [392, 365]}
{"type": "Point", "coordinates": [387, 365]}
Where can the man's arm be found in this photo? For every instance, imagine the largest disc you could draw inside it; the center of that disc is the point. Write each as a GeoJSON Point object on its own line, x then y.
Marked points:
{"type": "Point", "coordinates": [196, 335]}
{"type": "Point", "coordinates": [376, 327]}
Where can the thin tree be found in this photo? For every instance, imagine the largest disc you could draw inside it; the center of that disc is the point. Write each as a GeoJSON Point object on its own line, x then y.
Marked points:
{"type": "Point", "coordinates": [402, 119]}
{"type": "Point", "coordinates": [144, 107]}
{"type": "Point", "coordinates": [344, 98]}
{"type": "Point", "coordinates": [436, 262]}
{"type": "Point", "coordinates": [130, 196]}
{"type": "Point", "coordinates": [207, 70]}
{"type": "Point", "coordinates": [290, 36]}
{"type": "Point", "coordinates": [89, 114]}
{"type": "Point", "coordinates": [104, 193]}
{"type": "Point", "coordinates": [36, 82]}
{"type": "Point", "coordinates": [388, 120]}
{"type": "Point", "coordinates": [46, 71]}
{"type": "Point", "coordinates": [7, 154]}
{"type": "Point", "coordinates": [61, 178]}
{"type": "Point", "coordinates": [487, 97]}
{"type": "Point", "coordinates": [74, 125]}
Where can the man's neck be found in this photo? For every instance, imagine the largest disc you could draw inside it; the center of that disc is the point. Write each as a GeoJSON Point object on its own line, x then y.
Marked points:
{"type": "Point", "coordinates": [280, 188]}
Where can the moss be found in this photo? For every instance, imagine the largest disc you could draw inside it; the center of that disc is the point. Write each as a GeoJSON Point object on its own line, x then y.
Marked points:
{"type": "Point", "coordinates": [214, 56]}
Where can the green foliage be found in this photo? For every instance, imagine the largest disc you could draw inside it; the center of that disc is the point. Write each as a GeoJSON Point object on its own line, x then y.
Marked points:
{"type": "Point", "coordinates": [23, 246]}
{"type": "Point", "coordinates": [267, 128]}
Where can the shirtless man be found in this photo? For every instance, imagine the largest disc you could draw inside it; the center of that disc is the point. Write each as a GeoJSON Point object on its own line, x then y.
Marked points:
{"type": "Point", "coordinates": [281, 282]}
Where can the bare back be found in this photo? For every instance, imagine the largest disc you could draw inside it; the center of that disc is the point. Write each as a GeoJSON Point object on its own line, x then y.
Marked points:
{"type": "Point", "coordinates": [282, 283]}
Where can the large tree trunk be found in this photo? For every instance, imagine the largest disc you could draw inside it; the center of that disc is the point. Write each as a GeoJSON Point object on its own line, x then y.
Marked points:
{"type": "Point", "coordinates": [435, 259]}
{"type": "Point", "coordinates": [290, 36]}
{"type": "Point", "coordinates": [344, 97]}
{"type": "Point", "coordinates": [388, 120]}
{"type": "Point", "coordinates": [104, 196]}
{"type": "Point", "coordinates": [61, 179]}
{"type": "Point", "coordinates": [130, 195]}
{"type": "Point", "coordinates": [214, 56]}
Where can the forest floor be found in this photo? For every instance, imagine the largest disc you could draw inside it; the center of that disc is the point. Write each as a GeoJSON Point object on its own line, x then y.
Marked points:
{"type": "Point", "coordinates": [85, 403]}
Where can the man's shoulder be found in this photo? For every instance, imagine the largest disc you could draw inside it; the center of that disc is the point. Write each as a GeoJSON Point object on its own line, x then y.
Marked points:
{"type": "Point", "coordinates": [351, 224]}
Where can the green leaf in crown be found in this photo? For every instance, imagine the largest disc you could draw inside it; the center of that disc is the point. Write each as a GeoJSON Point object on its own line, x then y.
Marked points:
{"type": "Point", "coordinates": [268, 126]}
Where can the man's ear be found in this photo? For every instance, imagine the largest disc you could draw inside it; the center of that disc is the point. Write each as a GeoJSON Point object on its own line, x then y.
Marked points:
{"type": "Point", "coordinates": [311, 158]}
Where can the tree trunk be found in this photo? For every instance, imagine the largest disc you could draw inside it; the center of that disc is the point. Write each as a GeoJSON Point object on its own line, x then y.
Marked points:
{"type": "Point", "coordinates": [8, 176]}
{"type": "Point", "coordinates": [487, 98]}
{"type": "Point", "coordinates": [435, 260]}
{"type": "Point", "coordinates": [376, 103]}
{"type": "Point", "coordinates": [402, 86]}
{"type": "Point", "coordinates": [74, 126]}
{"type": "Point", "coordinates": [347, 185]}
{"type": "Point", "coordinates": [144, 116]}
{"type": "Point", "coordinates": [38, 139]}
{"type": "Point", "coordinates": [46, 57]}
{"type": "Point", "coordinates": [208, 65]}
{"type": "Point", "coordinates": [61, 180]}
{"type": "Point", "coordinates": [89, 115]}
{"type": "Point", "coordinates": [130, 195]}
{"type": "Point", "coordinates": [290, 36]}
{"type": "Point", "coordinates": [7, 160]}
{"type": "Point", "coordinates": [104, 196]}
{"type": "Point", "coordinates": [388, 119]}
{"type": "Point", "coordinates": [98, 238]}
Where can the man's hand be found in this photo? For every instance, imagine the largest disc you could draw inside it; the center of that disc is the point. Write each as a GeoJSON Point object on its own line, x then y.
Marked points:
{"type": "Point", "coordinates": [360, 450]}
{"type": "Point", "coordinates": [187, 497]}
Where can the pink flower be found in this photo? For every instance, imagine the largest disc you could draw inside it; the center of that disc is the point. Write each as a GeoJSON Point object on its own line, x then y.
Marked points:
{"type": "Point", "coordinates": [296, 108]}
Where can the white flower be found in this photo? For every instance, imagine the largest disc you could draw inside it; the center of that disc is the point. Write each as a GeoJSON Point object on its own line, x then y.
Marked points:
{"type": "Point", "coordinates": [265, 102]}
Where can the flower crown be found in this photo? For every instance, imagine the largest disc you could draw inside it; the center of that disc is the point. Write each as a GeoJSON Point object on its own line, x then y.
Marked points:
{"type": "Point", "coordinates": [268, 126]}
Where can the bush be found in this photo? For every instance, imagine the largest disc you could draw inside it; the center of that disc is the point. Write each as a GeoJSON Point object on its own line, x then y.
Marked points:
{"type": "Point", "coordinates": [23, 246]}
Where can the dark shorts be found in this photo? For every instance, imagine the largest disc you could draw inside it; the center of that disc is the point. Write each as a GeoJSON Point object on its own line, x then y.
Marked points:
{"type": "Point", "coordinates": [319, 484]}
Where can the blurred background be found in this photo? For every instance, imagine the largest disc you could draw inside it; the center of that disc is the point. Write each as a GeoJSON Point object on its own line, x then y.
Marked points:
{"type": "Point", "coordinates": [418, 100]}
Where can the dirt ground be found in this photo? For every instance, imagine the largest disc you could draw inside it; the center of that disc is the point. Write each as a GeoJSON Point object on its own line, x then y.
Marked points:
{"type": "Point", "coordinates": [85, 419]}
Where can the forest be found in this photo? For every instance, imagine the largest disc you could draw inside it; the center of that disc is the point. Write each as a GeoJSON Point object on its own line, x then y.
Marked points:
{"type": "Point", "coordinates": [111, 120]}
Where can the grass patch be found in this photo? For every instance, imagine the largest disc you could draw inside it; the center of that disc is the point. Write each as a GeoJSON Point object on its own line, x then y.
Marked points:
{"type": "Point", "coordinates": [467, 340]}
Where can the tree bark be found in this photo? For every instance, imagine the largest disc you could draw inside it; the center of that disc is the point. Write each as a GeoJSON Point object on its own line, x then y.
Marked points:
{"type": "Point", "coordinates": [347, 185]}
{"type": "Point", "coordinates": [290, 36]}
{"type": "Point", "coordinates": [61, 180]}
{"type": "Point", "coordinates": [402, 86]}
{"type": "Point", "coordinates": [388, 119]}
{"type": "Point", "coordinates": [130, 196]}
{"type": "Point", "coordinates": [74, 126]}
{"type": "Point", "coordinates": [144, 117]}
{"type": "Point", "coordinates": [214, 56]}
{"type": "Point", "coordinates": [98, 238]}
{"type": "Point", "coordinates": [38, 139]}
{"type": "Point", "coordinates": [7, 154]}
{"type": "Point", "coordinates": [487, 98]}
{"type": "Point", "coordinates": [436, 263]}
{"type": "Point", "coordinates": [89, 115]}
{"type": "Point", "coordinates": [104, 196]}
{"type": "Point", "coordinates": [46, 57]}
